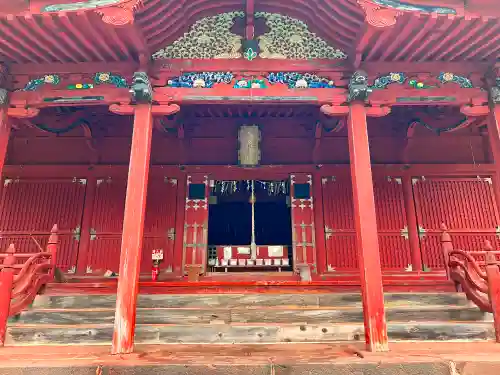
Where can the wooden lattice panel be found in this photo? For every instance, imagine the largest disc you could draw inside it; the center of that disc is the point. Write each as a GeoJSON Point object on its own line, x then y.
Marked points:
{"type": "Point", "coordinates": [107, 223]}
{"type": "Point", "coordinates": [30, 207]}
{"type": "Point", "coordinates": [340, 234]}
{"type": "Point", "coordinates": [466, 205]}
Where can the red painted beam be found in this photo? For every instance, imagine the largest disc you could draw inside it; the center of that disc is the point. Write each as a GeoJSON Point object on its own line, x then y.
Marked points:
{"type": "Point", "coordinates": [133, 230]}
{"type": "Point", "coordinates": [366, 230]}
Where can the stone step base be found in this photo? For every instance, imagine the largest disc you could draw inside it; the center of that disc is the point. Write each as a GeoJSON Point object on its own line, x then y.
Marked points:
{"type": "Point", "coordinates": [244, 333]}
{"type": "Point", "coordinates": [250, 300]}
{"type": "Point", "coordinates": [250, 315]}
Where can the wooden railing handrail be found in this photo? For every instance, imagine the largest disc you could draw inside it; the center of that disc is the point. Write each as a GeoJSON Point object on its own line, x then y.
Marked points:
{"type": "Point", "coordinates": [23, 255]}
{"type": "Point", "coordinates": [19, 289]}
{"type": "Point", "coordinates": [479, 280]}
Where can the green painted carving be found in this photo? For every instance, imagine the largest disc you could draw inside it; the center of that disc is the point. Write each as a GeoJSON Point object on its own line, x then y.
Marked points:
{"type": "Point", "coordinates": [49, 79]}
{"type": "Point", "coordinates": [90, 4]}
{"type": "Point", "coordinates": [111, 79]}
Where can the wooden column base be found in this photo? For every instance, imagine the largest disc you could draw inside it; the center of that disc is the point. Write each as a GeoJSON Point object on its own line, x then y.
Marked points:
{"type": "Point", "coordinates": [194, 272]}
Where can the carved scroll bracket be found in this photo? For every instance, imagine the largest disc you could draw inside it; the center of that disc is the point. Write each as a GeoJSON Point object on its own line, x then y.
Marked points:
{"type": "Point", "coordinates": [142, 93]}
{"type": "Point", "coordinates": [475, 110]}
{"type": "Point", "coordinates": [358, 91]}
{"type": "Point", "coordinates": [378, 16]}
{"type": "Point", "coordinates": [21, 112]}
{"type": "Point", "coordinates": [156, 109]}
{"type": "Point", "coordinates": [121, 14]}
{"type": "Point", "coordinates": [343, 110]}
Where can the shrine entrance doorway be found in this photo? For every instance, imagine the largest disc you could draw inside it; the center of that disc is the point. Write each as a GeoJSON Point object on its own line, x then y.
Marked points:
{"type": "Point", "coordinates": [250, 226]}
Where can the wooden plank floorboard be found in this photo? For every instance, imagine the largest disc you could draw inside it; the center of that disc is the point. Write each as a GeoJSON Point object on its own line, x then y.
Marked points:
{"type": "Point", "coordinates": [250, 300]}
{"type": "Point", "coordinates": [259, 315]}
{"type": "Point", "coordinates": [241, 334]}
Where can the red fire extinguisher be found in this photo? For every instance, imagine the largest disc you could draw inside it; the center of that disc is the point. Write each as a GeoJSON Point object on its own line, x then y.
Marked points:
{"type": "Point", "coordinates": [157, 256]}
{"type": "Point", "coordinates": [155, 271]}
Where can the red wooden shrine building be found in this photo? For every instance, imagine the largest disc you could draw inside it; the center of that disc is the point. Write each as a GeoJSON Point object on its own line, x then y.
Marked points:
{"type": "Point", "coordinates": [251, 141]}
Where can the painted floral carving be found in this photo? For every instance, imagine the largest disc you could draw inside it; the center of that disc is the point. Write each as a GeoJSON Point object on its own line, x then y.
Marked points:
{"type": "Point", "coordinates": [299, 80]}
{"type": "Point", "coordinates": [447, 77]}
{"type": "Point", "coordinates": [200, 80]}
{"type": "Point", "coordinates": [383, 81]}
{"type": "Point", "coordinates": [243, 83]}
{"type": "Point", "coordinates": [109, 78]}
{"type": "Point", "coordinates": [208, 38]}
{"type": "Point", "coordinates": [291, 39]}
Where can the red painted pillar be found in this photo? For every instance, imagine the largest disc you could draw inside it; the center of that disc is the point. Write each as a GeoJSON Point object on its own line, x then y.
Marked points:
{"type": "Point", "coordinates": [411, 222]}
{"type": "Point", "coordinates": [133, 229]}
{"type": "Point", "coordinates": [4, 137]}
{"type": "Point", "coordinates": [366, 230]}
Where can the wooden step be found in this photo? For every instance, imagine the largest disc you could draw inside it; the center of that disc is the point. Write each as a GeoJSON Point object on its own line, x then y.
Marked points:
{"type": "Point", "coordinates": [243, 333]}
{"type": "Point", "coordinates": [249, 300]}
{"type": "Point", "coordinates": [251, 315]}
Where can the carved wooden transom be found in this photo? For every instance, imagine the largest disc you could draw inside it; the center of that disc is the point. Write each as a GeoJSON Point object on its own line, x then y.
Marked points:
{"type": "Point", "coordinates": [208, 38]}
{"type": "Point", "coordinates": [287, 38]}
{"type": "Point", "coordinates": [290, 38]}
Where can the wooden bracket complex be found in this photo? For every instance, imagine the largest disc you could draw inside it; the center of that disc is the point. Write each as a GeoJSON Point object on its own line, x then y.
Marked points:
{"type": "Point", "coordinates": [377, 16]}
{"type": "Point", "coordinates": [121, 14]}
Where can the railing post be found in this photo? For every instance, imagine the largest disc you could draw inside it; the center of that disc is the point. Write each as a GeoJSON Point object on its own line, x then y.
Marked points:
{"type": "Point", "coordinates": [493, 277]}
{"type": "Point", "coordinates": [6, 282]}
{"type": "Point", "coordinates": [52, 249]}
{"type": "Point", "coordinates": [447, 246]}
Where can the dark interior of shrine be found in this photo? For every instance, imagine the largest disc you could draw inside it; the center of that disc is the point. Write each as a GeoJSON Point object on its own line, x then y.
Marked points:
{"type": "Point", "coordinates": [230, 214]}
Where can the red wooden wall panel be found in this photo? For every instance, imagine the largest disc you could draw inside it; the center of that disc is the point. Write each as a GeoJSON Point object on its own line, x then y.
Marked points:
{"type": "Point", "coordinates": [394, 245]}
{"type": "Point", "coordinates": [466, 205]}
{"type": "Point", "coordinates": [340, 235]}
{"type": "Point", "coordinates": [106, 225]}
{"type": "Point", "coordinates": [159, 227]}
{"type": "Point", "coordinates": [107, 222]}
{"type": "Point", "coordinates": [30, 207]}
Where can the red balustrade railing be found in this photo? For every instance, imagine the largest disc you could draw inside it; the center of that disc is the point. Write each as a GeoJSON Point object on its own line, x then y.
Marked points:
{"type": "Point", "coordinates": [477, 274]}
{"type": "Point", "coordinates": [20, 282]}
